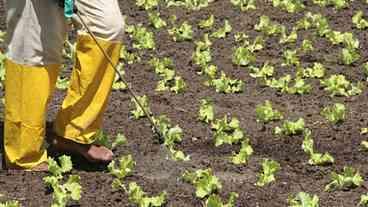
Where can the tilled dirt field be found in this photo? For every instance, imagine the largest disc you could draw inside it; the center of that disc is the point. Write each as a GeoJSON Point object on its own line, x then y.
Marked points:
{"type": "Point", "coordinates": [155, 172]}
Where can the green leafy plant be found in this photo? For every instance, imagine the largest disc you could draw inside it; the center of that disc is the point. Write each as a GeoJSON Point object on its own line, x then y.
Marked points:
{"type": "Point", "coordinates": [335, 113]}
{"type": "Point", "coordinates": [118, 83]}
{"type": "Point", "coordinates": [315, 158]}
{"type": "Point", "coordinates": [288, 38]}
{"type": "Point", "coordinates": [243, 56]}
{"type": "Point", "coordinates": [138, 112]}
{"type": "Point", "coordinates": [358, 20]}
{"type": "Point", "coordinates": [202, 54]}
{"type": "Point", "coordinates": [317, 71]}
{"type": "Point", "coordinates": [189, 4]}
{"type": "Point", "coordinates": [303, 199]}
{"type": "Point", "coordinates": [225, 84]}
{"type": "Point", "coordinates": [243, 155]}
{"type": "Point", "coordinates": [265, 72]}
{"type": "Point", "coordinates": [227, 131]}
{"type": "Point", "coordinates": [223, 31]}
{"type": "Point", "coordinates": [267, 175]}
{"type": "Point", "coordinates": [291, 58]}
{"type": "Point", "coordinates": [139, 197]}
{"type": "Point", "coordinates": [207, 23]}
{"type": "Point", "coordinates": [62, 193]}
{"type": "Point", "coordinates": [142, 38]}
{"type": "Point", "coordinates": [206, 111]}
{"type": "Point", "coordinates": [337, 85]}
{"type": "Point", "coordinates": [349, 55]}
{"type": "Point", "coordinates": [121, 170]}
{"type": "Point", "coordinates": [267, 26]}
{"type": "Point", "coordinates": [281, 84]}
{"type": "Point", "coordinates": [307, 46]}
{"type": "Point", "coordinates": [291, 128]}
{"type": "Point", "coordinates": [155, 20]}
{"type": "Point", "coordinates": [349, 178]}
{"type": "Point", "coordinates": [216, 201]}
{"type": "Point", "coordinates": [10, 204]}
{"type": "Point", "coordinates": [171, 135]}
{"type": "Point", "coordinates": [290, 6]}
{"type": "Point", "coordinates": [363, 200]}
{"type": "Point", "coordinates": [147, 4]}
{"type": "Point", "coordinates": [181, 33]}
{"type": "Point", "coordinates": [265, 113]}
{"type": "Point", "coordinates": [204, 181]}
{"type": "Point", "coordinates": [244, 5]}
{"type": "Point", "coordinates": [128, 57]}
{"type": "Point", "coordinates": [104, 139]}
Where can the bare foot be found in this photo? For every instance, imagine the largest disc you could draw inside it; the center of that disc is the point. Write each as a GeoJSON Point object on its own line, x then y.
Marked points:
{"type": "Point", "coordinates": [93, 153]}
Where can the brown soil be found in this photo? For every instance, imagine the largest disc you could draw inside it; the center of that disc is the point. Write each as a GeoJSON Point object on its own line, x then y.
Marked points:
{"type": "Point", "coordinates": [155, 173]}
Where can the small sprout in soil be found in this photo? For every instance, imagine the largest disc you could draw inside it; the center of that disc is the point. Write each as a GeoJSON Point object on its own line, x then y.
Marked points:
{"type": "Point", "coordinates": [290, 6]}
{"type": "Point", "coordinates": [120, 171]}
{"type": "Point", "coordinates": [245, 5]}
{"type": "Point", "coordinates": [215, 200]}
{"type": "Point", "coordinates": [147, 4]}
{"type": "Point", "coordinates": [289, 128]}
{"type": "Point", "coordinates": [183, 32]}
{"type": "Point", "coordinates": [267, 175]}
{"type": "Point", "coordinates": [207, 23]}
{"type": "Point", "coordinates": [206, 111]}
{"type": "Point", "coordinates": [227, 131]}
{"type": "Point", "coordinates": [350, 178]}
{"type": "Point", "coordinates": [303, 199]}
{"type": "Point", "coordinates": [138, 112]}
{"type": "Point", "coordinates": [105, 140]}
{"type": "Point", "coordinates": [358, 20]}
{"type": "Point", "coordinates": [315, 157]}
{"type": "Point", "coordinates": [10, 204]}
{"type": "Point", "coordinates": [225, 84]}
{"type": "Point", "coordinates": [155, 20]}
{"type": "Point", "coordinates": [244, 154]}
{"type": "Point", "coordinates": [222, 32]}
{"type": "Point", "coordinates": [139, 197]}
{"type": "Point", "coordinates": [62, 193]}
{"type": "Point", "coordinates": [363, 200]}
{"type": "Point", "coordinates": [142, 37]}
{"type": "Point", "coordinates": [204, 181]}
{"type": "Point", "coordinates": [265, 113]}
{"type": "Point", "coordinates": [335, 113]}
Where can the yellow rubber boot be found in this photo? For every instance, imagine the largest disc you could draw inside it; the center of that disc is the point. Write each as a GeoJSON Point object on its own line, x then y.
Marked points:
{"type": "Point", "coordinates": [80, 117]}
{"type": "Point", "coordinates": [27, 93]}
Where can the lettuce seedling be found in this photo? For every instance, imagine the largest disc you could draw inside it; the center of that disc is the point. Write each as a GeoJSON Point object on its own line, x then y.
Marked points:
{"type": "Point", "coordinates": [335, 113]}
{"type": "Point", "coordinates": [300, 87]}
{"type": "Point", "coordinates": [202, 54]}
{"type": "Point", "coordinates": [363, 200]}
{"type": "Point", "coordinates": [267, 27]}
{"type": "Point", "coordinates": [147, 4]}
{"type": "Point", "coordinates": [289, 128]}
{"type": "Point", "coordinates": [337, 85]}
{"type": "Point", "coordinates": [204, 181]}
{"type": "Point", "coordinates": [288, 38]}
{"type": "Point", "coordinates": [281, 84]}
{"type": "Point", "coordinates": [349, 178]}
{"type": "Point", "coordinates": [215, 200]}
{"type": "Point", "coordinates": [128, 57]}
{"type": "Point", "coordinates": [210, 71]}
{"type": "Point", "coordinates": [225, 84]}
{"type": "Point", "coordinates": [265, 72]}
{"type": "Point", "coordinates": [267, 175]}
{"type": "Point", "coordinates": [207, 23]}
{"type": "Point", "coordinates": [265, 113]}
{"type": "Point", "coordinates": [139, 197]}
{"type": "Point", "coordinates": [183, 32]}
{"type": "Point", "coordinates": [142, 38]}
{"type": "Point", "coordinates": [121, 170]}
{"type": "Point", "coordinates": [138, 112]}
{"type": "Point", "coordinates": [227, 131]}
{"type": "Point", "coordinates": [189, 4]}
{"type": "Point", "coordinates": [303, 199]}
{"type": "Point", "coordinates": [171, 135]}
{"type": "Point", "coordinates": [243, 155]}
{"type": "Point", "coordinates": [104, 139]}
{"type": "Point", "coordinates": [63, 193]}
{"type": "Point", "coordinates": [291, 58]}
{"type": "Point", "coordinates": [118, 83]}
{"type": "Point", "coordinates": [206, 111]}
{"type": "Point", "coordinates": [315, 158]}
{"type": "Point", "coordinates": [10, 204]}
{"type": "Point", "coordinates": [290, 6]}
{"type": "Point", "coordinates": [317, 71]}
{"type": "Point", "coordinates": [349, 56]}
{"type": "Point", "coordinates": [245, 5]}
{"type": "Point", "coordinates": [155, 20]}
{"type": "Point", "coordinates": [307, 46]}
{"type": "Point", "coordinates": [222, 32]}
{"type": "Point", "coordinates": [358, 20]}
{"type": "Point", "coordinates": [243, 56]}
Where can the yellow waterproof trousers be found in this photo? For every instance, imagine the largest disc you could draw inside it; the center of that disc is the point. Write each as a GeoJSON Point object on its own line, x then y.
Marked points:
{"type": "Point", "coordinates": [35, 35]}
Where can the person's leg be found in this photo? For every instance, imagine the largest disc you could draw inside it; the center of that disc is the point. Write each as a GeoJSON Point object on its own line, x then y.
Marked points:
{"type": "Point", "coordinates": [80, 117]}
{"type": "Point", "coordinates": [34, 36]}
